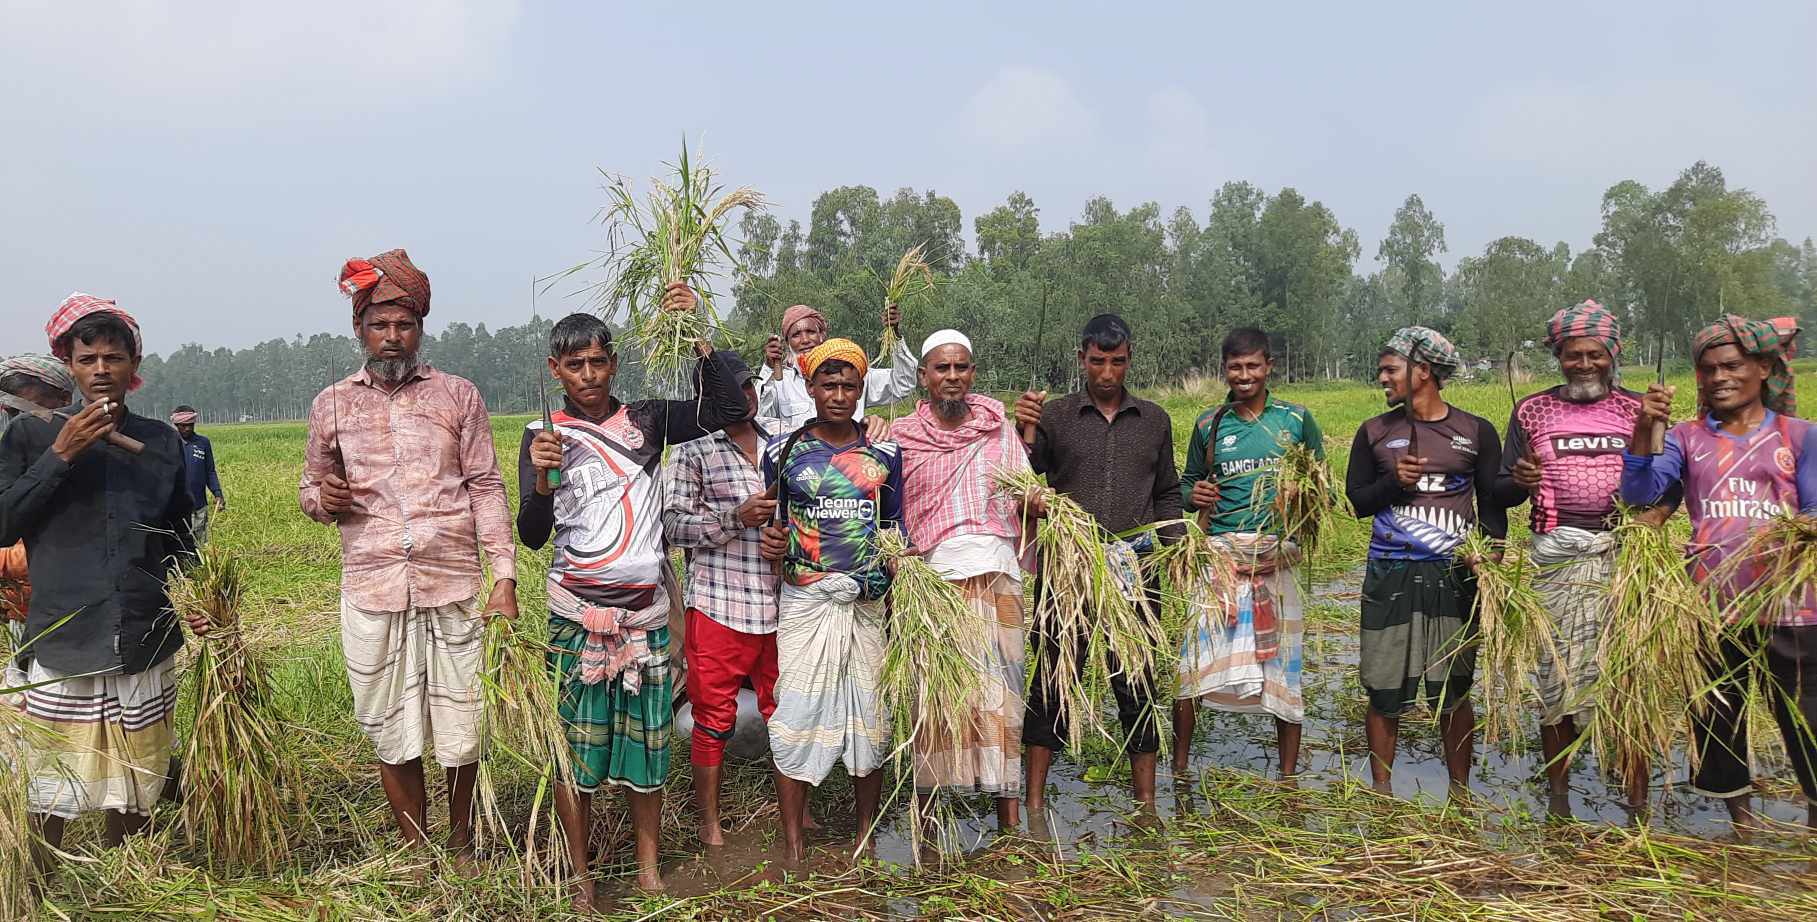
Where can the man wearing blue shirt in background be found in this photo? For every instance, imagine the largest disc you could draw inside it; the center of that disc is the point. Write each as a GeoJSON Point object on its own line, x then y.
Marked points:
{"type": "Point", "coordinates": [199, 470]}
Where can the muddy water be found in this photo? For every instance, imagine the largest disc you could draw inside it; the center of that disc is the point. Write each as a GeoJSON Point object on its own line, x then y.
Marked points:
{"type": "Point", "coordinates": [1088, 812]}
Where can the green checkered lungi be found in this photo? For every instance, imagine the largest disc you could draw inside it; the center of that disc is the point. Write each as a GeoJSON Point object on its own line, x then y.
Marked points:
{"type": "Point", "coordinates": [615, 737]}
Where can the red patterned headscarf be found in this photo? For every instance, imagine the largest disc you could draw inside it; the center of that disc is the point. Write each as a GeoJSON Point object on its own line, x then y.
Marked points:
{"type": "Point", "coordinates": [388, 278]}
{"type": "Point", "coordinates": [1758, 338]}
{"type": "Point", "coordinates": [1586, 318]}
{"type": "Point", "coordinates": [79, 305]}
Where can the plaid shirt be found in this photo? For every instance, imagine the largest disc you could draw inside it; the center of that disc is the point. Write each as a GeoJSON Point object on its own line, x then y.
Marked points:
{"type": "Point", "coordinates": [728, 579]}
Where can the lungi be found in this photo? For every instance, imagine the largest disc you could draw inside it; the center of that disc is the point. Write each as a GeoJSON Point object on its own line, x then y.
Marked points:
{"type": "Point", "coordinates": [614, 736]}
{"type": "Point", "coordinates": [1218, 659]}
{"type": "Point", "coordinates": [1575, 566]}
{"type": "Point", "coordinates": [107, 743]}
{"type": "Point", "coordinates": [988, 758]}
{"type": "Point", "coordinates": [1419, 624]}
{"type": "Point", "coordinates": [829, 655]}
{"type": "Point", "coordinates": [416, 674]}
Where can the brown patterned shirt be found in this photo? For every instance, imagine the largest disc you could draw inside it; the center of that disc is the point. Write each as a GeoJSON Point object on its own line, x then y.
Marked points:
{"type": "Point", "coordinates": [1121, 470]}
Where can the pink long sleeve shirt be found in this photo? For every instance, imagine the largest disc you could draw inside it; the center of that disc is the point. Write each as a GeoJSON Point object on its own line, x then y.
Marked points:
{"type": "Point", "coordinates": [427, 494]}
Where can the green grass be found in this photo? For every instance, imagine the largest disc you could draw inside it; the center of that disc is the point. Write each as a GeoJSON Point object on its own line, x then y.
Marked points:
{"type": "Point", "coordinates": [1253, 849]}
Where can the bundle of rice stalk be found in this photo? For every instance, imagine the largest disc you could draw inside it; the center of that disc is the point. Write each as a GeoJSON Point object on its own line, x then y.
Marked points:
{"type": "Point", "coordinates": [1653, 659]}
{"type": "Point", "coordinates": [912, 277]}
{"type": "Point", "coordinates": [520, 697]}
{"type": "Point", "coordinates": [237, 770]}
{"type": "Point", "coordinates": [17, 840]}
{"type": "Point", "coordinates": [1299, 494]}
{"type": "Point", "coordinates": [676, 234]}
{"type": "Point", "coordinates": [1082, 606]}
{"type": "Point", "coordinates": [932, 667]}
{"type": "Point", "coordinates": [1197, 570]}
{"type": "Point", "coordinates": [1779, 561]}
{"type": "Point", "coordinates": [1512, 630]}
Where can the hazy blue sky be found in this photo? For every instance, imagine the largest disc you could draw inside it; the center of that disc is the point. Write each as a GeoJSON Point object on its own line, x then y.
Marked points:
{"type": "Point", "coordinates": [210, 163]}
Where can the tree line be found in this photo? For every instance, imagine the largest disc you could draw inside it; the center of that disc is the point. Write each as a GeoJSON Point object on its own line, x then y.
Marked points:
{"type": "Point", "coordinates": [1666, 259]}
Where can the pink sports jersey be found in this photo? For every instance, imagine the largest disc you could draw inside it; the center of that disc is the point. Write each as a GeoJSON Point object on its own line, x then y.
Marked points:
{"type": "Point", "coordinates": [1733, 483]}
{"type": "Point", "coordinates": [1579, 447]}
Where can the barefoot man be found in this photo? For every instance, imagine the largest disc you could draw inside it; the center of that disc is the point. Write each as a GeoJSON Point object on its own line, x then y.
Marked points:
{"type": "Point", "coordinates": [101, 528]}
{"type": "Point", "coordinates": [836, 490]}
{"type": "Point", "coordinates": [400, 459]}
{"type": "Point", "coordinates": [1742, 461]}
{"type": "Point", "coordinates": [1425, 472]}
{"type": "Point", "coordinates": [608, 616]}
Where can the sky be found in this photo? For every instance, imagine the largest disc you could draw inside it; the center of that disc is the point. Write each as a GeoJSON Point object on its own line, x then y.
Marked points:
{"type": "Point", "coordinates": [210, 163]}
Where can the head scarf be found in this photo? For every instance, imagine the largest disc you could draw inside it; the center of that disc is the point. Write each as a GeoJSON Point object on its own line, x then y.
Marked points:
{"type": "Point", "coordinates": [388, 278]}
{"type": "Point", "coordinates": [45, 368]}
{"type": "Point", "coordinates": [842, 349]}
{"type": "Point", "coordinates": [79, 305]}
{"type": "Point", "coordinates": [1758, 338]}
{"type": "Point", "coordinates": [187, 417]}
{"type": "Point", "coordinates": [940, 338]}
{"type": "Point", "coordinates": [1423, 344]}
{"type": "Point", "coordinates": [735, 370]}
{"type": "Point", "coordinates": [797, 314]}
{"type": "Point", "coordinates": [1586, 318]}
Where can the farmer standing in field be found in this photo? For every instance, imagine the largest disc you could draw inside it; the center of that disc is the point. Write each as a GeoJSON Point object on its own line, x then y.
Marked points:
{"type": "Point", "coordinates": [1243, 655]}
{"type": "Point", "coordinates": [199, 467]}
{"type": "Point", "coordinates": [782, 390]}
{"type": "Point", "coordinates": [971, 534]}
{"type": "Point", "coordinates": [102, 528]}
{"type": "Point", "coordinates": [715, 509]}
{"type": "Point", "coordinates": [608, 612]}
{"type": "Point", "coordinates": [1564, 447]}
{"type": "Point", "coordinates": [1742, 462]}
{"type": "Point", "coordinates": [45, 381]}
{"type": "Point", "coordinates": [1425, 471]}
{"type": "Point", "coordinates": [836, 489]}
{"type": "Point", "coordinates": [400, 459]}
{"type": "Point", "coordinates": [1112, 452]}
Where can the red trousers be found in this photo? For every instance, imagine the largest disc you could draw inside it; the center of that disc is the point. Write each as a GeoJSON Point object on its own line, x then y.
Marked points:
{"type": "Point", "coordinates": [719, 661]}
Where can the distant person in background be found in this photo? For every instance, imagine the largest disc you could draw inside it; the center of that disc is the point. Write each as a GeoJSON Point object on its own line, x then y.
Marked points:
{"type": "Point", "coordinates": [199, 464]}
{"type": "Point", "coordinates": [1243, 655]}
{"type": "Point", "coordinates": [970, 534]}
{"type": "Point", "coordinates": [400, 459]}
{"type": "Point", "coordinates": [1564, 448]}
{"type": "Point", "coordinates": [102, 528]}
{"type": "Point", "coordinates": [608, 612]}
{"type": "Point", "coordinates": [1425, 472]}
{"type": "Point", "coordinates": [782, 390]}
{"type": "Point", "coordinates": [1744, 460]}
{"type": "Point", "coordinates": [45, 381]}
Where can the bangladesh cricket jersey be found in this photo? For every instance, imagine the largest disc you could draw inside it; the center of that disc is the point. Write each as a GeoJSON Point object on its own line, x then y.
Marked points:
{"type": "Point", "coordinates": [1235, 455]}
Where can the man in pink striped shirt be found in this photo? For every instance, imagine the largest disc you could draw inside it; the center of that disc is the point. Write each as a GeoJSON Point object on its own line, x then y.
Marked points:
{"type": "Point", "coordinates": [971, 535]}
{"type": "Point", "coordinates": [400, 458]}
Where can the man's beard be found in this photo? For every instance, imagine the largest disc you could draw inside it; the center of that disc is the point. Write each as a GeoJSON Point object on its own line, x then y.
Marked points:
{"type": "Point", "coordinates": [1580, 390]}
{"type": "Point", "coordinates": [952, 410]}
{"type": "Point", "coordinates": [391, 371]}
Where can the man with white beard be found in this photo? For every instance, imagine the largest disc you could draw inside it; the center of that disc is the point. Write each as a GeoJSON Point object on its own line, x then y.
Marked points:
{"type": "Point", "coordinates": [1564, 450]}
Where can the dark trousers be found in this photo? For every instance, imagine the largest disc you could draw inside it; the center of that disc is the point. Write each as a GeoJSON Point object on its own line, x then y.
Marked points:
{"type": "Point", "coordinates": [1044, 725]}
{"type": "Point", "coordinates": [1721, 729]}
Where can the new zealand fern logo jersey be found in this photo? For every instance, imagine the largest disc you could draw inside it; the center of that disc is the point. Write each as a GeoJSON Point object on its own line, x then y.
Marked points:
{"type": "Point", "coordinates": [608, 509]}
{"type": "Point", "coordinates": [837, 500]}
{"type": "Point", "coordinates": [1440, 509]}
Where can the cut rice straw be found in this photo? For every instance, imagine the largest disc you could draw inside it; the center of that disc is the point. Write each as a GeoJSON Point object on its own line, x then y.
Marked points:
{"type": "Point", "coordinates": [237, 770]}
{"type": "Point", "coordinates": [1082, 607]}
{"type": "Point", "coordinates": [18, 840]}
{"type": "Point", "coordinates": [933, 664]}
{"type": "Point", "coordinates": [1512, 631]}
{"type": "Point", "coordinates": [1654, 658]}
{"type": "Point", "coordinates": [1195, 571]}
{"type": "Point", "coordinates": [523, 728]}
{"type": "Point", "coordinates": [1299, 496]}
{"type": "Point", "coordinates": [912, 277]}
{"type": "Point", "coordinates": [1778, 564]}
{"type": "Point", "coordinates": [677, 234]}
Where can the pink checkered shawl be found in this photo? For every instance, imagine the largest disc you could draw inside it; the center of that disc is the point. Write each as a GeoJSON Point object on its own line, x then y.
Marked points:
{"type": "Point", "coordinates": [617, 638]}
{"type": "Point", "coordinates": [946, 489]}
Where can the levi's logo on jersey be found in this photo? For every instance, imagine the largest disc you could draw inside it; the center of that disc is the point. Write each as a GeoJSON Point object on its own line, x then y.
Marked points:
{"type": "Point", "coordinates": [1584, 443]}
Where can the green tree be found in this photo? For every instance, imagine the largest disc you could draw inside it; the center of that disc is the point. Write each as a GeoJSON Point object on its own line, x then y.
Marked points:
{"type": "Point", "coordinates": [1414, 239]}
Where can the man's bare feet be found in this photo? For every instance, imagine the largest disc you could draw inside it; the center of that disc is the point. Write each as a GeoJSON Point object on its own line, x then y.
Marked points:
{"type": "Point", "coordinates": [1383, 787]}
{"type": "Point", "coordinates": [793, 854]}
{"type": "Point", "coordinates": [711, 835]}
{"type": "Point", "coordinates": [649, 880]}
{"type": "Point", "coordinates": [580, 895]}
{"type": "Point", "coordinates": [1558, 806]}
{"type": "Point", "coordinates": [807, 821]}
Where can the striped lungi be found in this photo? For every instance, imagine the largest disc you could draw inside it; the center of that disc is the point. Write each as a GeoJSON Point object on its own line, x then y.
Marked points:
{"type": "Point", "coordinates": [414, 674]}
{"type": "Point", "coordinates": [1218, 660]}
{"type": "Point", "coordinates": [1575, 566]}
{"type": "Point", "coordinates": [988, 759]}
{"type": "Point", "coordinates": [829, 655]}
{"type": "Point", "coordinates": [108, 740]}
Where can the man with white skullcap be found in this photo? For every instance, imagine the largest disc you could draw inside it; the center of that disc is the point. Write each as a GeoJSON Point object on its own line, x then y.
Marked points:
{"type": "Point", "coordinates": [971, 535]}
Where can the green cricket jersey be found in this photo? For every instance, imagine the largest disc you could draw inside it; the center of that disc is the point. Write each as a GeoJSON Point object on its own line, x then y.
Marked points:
{"type": "Point", "coordinates": [1239, 451]}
